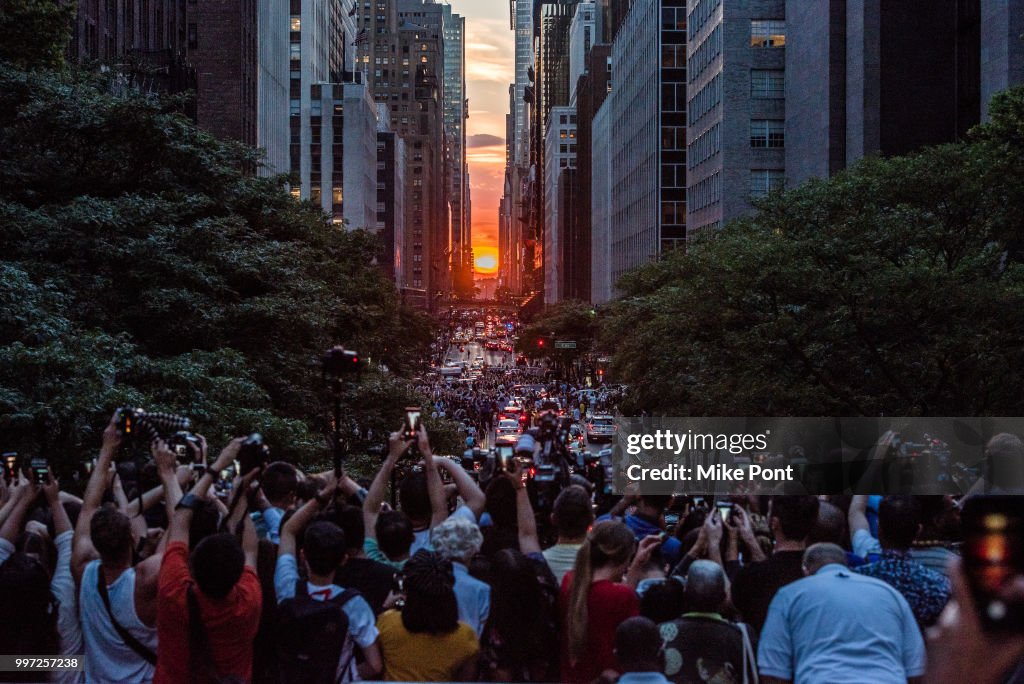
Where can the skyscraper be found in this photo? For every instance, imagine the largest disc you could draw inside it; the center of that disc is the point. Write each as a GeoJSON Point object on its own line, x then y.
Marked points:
{"type": "Point", "coordinates": [318, 52]}
{"type": "Point", "coordinates": [559, 158]}
{"type": "Point", "coordinates": [882, 77]}
{"type": "Point", "coordinates": [647, 121]}
{"type": "Point", "coordinates": [1002, 50]}
{"type": "Point", "coordinates": [736, 107]}
{"type": "Point", "coordinates": [456, 111]}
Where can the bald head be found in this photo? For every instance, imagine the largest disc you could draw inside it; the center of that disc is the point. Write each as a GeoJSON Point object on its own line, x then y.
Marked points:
{"type": "Point", "coordinates": [705, 587]}
{"type": "Point", "coordinates": [818, 556]}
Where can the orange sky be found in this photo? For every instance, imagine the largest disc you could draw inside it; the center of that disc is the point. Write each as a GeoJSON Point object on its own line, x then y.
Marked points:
{"type": "Point", "coordinates": [490, 66]}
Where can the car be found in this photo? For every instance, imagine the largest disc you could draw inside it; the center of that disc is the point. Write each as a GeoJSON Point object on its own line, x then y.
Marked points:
{"type": "Point", "coordinates": [507, 427]}
{"type": "Point", "coordinates": [451, 370]}
{"type": "Point", "coordinates": [601, 428]}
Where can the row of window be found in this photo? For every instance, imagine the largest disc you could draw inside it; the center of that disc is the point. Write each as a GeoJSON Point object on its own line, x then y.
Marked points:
{"type": "Point", "coordinates": [706, 192]}
{"type": "Point", "coordinates": [706, 146]}
{"type": "Point", "coordinates": [699, 15]}
{"type": "Point", "coordinates": [706, 99]}
{"type": "Point", "coordinates": [705, 53]}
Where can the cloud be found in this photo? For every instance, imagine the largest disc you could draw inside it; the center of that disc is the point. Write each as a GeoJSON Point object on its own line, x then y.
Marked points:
{"type": "Point", "coordinates": [484, 140]}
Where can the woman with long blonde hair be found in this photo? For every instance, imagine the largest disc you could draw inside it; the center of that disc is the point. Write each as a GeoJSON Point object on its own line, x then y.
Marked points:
{"type": "Point", "coordinates": [596, 596]}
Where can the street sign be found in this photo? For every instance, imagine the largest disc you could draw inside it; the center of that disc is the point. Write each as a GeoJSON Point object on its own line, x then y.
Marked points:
{"type": "Point", "coordinates": [565, 344]}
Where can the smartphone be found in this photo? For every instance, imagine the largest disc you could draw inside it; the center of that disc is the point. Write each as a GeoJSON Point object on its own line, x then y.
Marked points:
{"type": "Point", "coordinates": [505, 454]}
{"type": "Point", "coordinates": [698, 502]}
{"type": "Point", "coordinates": [11, 466]}
{"type": "Point", "coordinates": [412, 421]}
{"type": "Point", "coordinates": [89, 465]}
{"type": "Point", "coordinates": [40, 471]}
{"type": "Point", "coordinates": [724, 510]}
{"type": "Point", "coordinates": [993, 557]}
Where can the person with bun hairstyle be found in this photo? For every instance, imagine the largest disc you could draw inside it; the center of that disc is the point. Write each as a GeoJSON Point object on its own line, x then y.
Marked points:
{"type": "Point", "coordinates": [597, 596]}
{"type": "Point", "coordinates": [424, 640]}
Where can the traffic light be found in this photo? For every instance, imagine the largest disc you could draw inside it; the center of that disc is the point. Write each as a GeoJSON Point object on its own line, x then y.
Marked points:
{"type": "Point", "coordinates": [540, 343]}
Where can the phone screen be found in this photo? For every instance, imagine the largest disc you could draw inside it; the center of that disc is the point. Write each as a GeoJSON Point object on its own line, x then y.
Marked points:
{"type": "Point", "coordinates": [993, 557]}
{"type": "Point", "coordinates": [505, 455]}
{"type": "Point", "coordinates": [724, 510]}
{"type": "Point", "coordinates": [11, 465]}
{"type": "Point", "coordinates": [40, 471]}
{"type": "Point", "coordinates": [412, 421]}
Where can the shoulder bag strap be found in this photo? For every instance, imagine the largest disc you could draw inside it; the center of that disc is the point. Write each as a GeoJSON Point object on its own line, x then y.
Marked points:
{"type": "Point", "coordinates": [130, 641]}
{"type": "Point", "coordinates": [750, 675]}
{"type": "Point", "coordinates": [341, 599]}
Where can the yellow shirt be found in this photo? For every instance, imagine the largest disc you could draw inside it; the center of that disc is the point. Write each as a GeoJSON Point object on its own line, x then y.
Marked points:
{"type": "Point", "coordinates": [422, 657]}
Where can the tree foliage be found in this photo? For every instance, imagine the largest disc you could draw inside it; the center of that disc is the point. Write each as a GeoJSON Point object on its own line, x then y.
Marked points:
{"type": "Point", "coordinates": [36, 32]}
{"type": "Point", "coordinates": [890, 289]}
{"type": "Point", "coordinates": [571, 320]}
{"type": "Point", "coordinates": [141, 266]}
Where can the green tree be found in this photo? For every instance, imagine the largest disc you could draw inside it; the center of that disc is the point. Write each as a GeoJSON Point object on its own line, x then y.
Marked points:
{"type": "Point", "coordinates": [36, 32]}
{"type": "Point", "coordinates": [141, 266]}
{"type": "Point", "coordinates": [566, 321]}
{"type": "Point", "coordinates": [886, 290]}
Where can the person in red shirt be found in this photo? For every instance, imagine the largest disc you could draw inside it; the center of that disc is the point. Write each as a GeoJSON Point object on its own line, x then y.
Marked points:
{"type": "Point", "coordinates": [594, 599]}
{"type": "Point", "coordinates": [220, 582]}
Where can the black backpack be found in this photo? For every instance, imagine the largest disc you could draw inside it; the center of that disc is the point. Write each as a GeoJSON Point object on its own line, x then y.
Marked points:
{"type": "Point", "coordinates": [312, 636]}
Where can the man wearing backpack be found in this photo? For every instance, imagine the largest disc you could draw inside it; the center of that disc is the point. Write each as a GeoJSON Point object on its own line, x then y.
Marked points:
{"type": "Point", "coordinates": [210, 602]}
{"type": "Point", "coordinates": [320, 623]}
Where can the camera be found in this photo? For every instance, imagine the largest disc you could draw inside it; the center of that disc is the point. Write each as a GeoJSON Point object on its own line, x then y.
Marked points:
{"type": "Point", "coordinates": [338, 361]}
{"type": "Point", "coordinates": [40, 468]}
{"type": "Point", "coordinates": [136, 424]}
{"type": "Point", "coordinates": [185, 446]}
{"type": "Point", "coordinates": [253, 454]}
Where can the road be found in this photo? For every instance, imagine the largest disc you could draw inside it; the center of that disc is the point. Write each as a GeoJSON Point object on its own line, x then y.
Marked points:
{"type": "Point", "coordinates": [497, 358]}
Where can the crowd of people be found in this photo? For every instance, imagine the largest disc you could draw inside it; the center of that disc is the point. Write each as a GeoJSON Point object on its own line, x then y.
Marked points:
{"type": "Point", "coordinates": [290, 576]}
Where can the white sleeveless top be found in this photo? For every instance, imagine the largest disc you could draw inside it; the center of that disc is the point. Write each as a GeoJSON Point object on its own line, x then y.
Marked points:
{"type": "Point", "coordinates": [107, 658]}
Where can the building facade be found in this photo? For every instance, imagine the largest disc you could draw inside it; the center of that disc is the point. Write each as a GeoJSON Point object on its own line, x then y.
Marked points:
{"type": "Point", "coordinates": [736, 107]}
{"type": "Point", "coordinates": [648, 135]}
{"type": "Point", "coordinates": [391, 156]}
{"type": "Point", "coordinates": [456, 112]}
{"type": "Point", "coordinates": [1002, 50]}
{"type": "Point", "coordinates": [559, 158]}
{"type": "Point", "coordinates": [601, 284]}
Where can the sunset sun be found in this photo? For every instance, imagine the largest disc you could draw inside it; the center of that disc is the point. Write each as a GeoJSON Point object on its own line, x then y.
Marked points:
{"type": "Point", "coordinates": [486, 260]}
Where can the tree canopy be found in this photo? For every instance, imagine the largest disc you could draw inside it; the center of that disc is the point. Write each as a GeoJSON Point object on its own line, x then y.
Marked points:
{"type": "Point", "coordinates": [141, 266]}
{"type": "Point", "coordinates": [892, 288]}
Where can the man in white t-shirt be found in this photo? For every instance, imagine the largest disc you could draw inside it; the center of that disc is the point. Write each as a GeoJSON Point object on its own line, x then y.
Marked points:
{"type": "Point", "coordinates": [323, 551]}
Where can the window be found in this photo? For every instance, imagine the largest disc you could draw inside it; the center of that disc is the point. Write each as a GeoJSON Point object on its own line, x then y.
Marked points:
{"type": "Point", "coordinates": [767, 33]}
{"type": "Point", "coordinates": [767, 133]}
{"type": "Point", "coordinates": [295, 51]}
{"type": "Point", "coordinates": [337, 196]}
{"type": "Point", "coordinates": [767, 84]}
{"type": "Point", "coordinates": [764, 181]}
{"type": "Point", "coordinates": [296, 24]}
{"type": "Point", "coordinates": [295, 107]}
